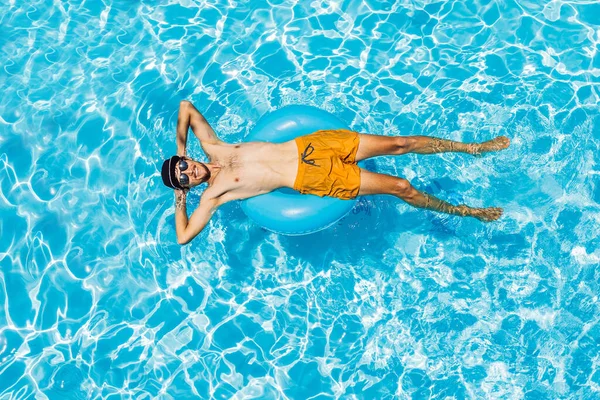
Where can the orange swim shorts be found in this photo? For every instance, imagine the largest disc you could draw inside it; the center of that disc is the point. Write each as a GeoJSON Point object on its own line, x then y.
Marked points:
{"type": "Point", "coordinates": [327, 164]}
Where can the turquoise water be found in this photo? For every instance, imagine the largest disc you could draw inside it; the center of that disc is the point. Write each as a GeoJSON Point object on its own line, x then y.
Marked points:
{"type": "Point", "coordinates": [97, 300]}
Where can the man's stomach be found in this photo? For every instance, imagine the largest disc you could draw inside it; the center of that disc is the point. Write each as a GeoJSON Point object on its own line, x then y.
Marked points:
{"type": "Point", "coordinates": [269, 166]}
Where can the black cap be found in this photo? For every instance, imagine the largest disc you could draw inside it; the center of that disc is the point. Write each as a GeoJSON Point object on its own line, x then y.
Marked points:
{"type": "Point", "coordinates": [169, 176]}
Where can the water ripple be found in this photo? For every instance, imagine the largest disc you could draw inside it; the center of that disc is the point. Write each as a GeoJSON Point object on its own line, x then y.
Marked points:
{"type": "Point", "coordinates": [98, 301]}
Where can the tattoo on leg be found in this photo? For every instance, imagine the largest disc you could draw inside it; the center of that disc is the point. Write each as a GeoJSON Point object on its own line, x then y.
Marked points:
{"type": "Point", "coordinates": [432, 145]}
{"type": "Point", "coordinates": [435, 145]}
{"type": "Point", "coordinates": [433, 203]}
{"type": "Point", "coordinates": [429, 202]}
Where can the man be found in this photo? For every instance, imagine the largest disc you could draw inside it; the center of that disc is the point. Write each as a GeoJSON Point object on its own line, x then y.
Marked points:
{"type": "Point", "coordinates": [322, 163]}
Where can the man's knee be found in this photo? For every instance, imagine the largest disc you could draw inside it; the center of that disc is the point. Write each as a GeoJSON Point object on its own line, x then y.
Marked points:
{"type": "Point", "coordinates": [403, 188]}
{"type": "Point", "coordinates": [402, 145]}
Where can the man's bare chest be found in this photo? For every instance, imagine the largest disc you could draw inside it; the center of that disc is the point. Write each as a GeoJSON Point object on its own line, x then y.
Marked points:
{"type": "Point", "coordinates": [250, 169]}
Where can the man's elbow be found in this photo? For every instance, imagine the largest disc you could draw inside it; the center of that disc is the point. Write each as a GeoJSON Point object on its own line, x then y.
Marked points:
{"type": "Point", "coordinates": [183, 242]}
{"type": "Point", "coordinates": [185, 238]}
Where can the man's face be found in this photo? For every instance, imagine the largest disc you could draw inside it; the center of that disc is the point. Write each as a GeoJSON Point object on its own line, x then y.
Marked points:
{"type": "Point", "coordinates": [196, 173]}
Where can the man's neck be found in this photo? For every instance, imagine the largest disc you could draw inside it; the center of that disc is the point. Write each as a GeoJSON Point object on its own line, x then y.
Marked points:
{"type": "Point", "coordinates": [214, 170]}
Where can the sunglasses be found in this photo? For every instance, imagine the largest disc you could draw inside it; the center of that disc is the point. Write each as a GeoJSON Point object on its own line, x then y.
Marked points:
{"type": "Point", "coordinates": [183, 178]}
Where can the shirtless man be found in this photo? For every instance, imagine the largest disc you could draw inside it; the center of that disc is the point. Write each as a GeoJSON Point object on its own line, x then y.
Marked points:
{"type": "Point", "coordinates": [322, 163]}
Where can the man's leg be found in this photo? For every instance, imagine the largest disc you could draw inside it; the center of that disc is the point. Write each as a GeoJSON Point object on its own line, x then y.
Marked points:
{"type": "Point", "coordinates": [377, 145]}
{"type": "Point", "coordinates": [432, 145]}
{"type": "Point", "coordinates": [373, 183]}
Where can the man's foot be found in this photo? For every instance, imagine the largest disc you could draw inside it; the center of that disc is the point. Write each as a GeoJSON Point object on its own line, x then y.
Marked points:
{"type": "Point", "coordinates": [486, 214]}
{"type": "Point", "coordinates": [496, 144]}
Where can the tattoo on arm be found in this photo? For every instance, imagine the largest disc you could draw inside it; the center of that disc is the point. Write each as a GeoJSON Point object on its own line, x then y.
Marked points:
{"type": "Point", "coordinates": [180, 203]}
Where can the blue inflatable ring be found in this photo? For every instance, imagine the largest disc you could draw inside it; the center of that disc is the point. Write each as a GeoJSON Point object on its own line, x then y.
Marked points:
{"type": "Point", "coordinates": [285, 210]}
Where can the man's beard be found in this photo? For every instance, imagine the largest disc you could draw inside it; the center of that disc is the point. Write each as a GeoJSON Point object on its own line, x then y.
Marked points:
{"type": "Point", "coordinates": [207, 177]}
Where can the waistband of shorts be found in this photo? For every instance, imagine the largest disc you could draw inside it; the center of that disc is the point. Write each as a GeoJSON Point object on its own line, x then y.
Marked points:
{"type": "Point", "coordinates": [300, 174]}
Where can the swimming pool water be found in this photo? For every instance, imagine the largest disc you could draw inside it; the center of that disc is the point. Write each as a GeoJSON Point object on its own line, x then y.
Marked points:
{"type": "Point", "coordinates": [97, 300]}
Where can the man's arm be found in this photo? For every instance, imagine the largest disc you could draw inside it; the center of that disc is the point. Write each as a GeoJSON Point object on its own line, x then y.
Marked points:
{"type": "Point", "coordinates": [188, 229]}
{"type": "Point", "coordinates": [188, 117]}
